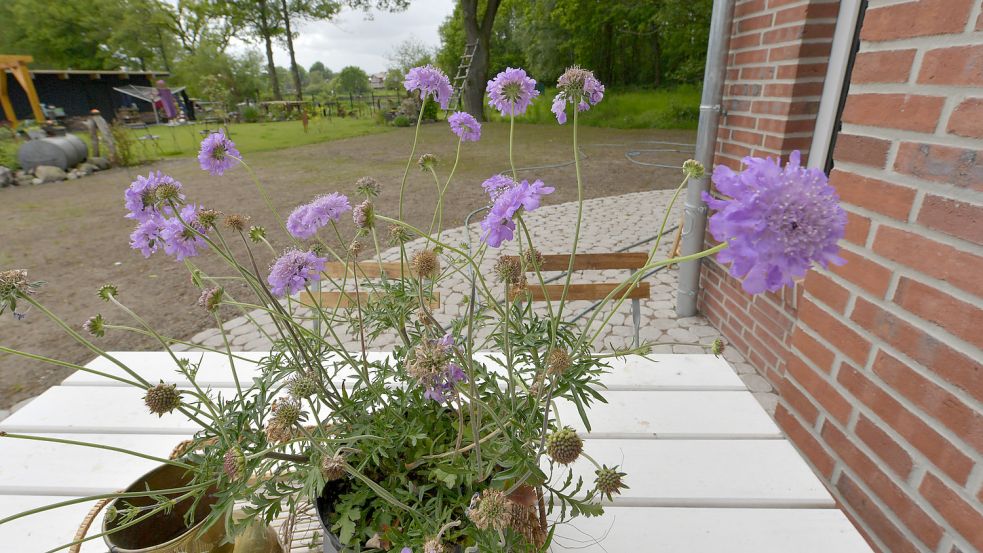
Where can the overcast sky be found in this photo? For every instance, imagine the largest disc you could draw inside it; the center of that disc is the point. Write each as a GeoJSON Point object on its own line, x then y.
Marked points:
{"type": "Point", "coordinates": [352, 39]}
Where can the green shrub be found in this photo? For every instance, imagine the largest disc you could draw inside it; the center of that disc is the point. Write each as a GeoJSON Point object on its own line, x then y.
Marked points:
{"type": "Point", "coordinates": [250, 114]}
{"type": "Point", "coordinates": [402, 121]}
{"type": "Point", "coordinates": [430, 110]}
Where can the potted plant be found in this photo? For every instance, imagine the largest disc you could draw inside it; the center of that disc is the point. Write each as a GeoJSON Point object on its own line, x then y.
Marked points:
{"type": "Point", "coordinates": [436, 448]}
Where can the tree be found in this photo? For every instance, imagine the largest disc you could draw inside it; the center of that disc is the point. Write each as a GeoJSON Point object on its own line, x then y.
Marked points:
{"type": "Point", "coordinates": [477, 30]}
{"type": "Point", "coordinates": [352, 80]}
{"type": "Point", "coordinates": [317, 66]}
{"type": "Point", "coordinates": [300, 10]}
{"type": "Point", "coordinates": [262, 22]}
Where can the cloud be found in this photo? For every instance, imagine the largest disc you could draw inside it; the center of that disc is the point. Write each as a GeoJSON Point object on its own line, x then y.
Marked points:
{"type": "Point", "coordinates": [354, 39]}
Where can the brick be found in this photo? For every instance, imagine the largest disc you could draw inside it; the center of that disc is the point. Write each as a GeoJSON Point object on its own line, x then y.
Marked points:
{"type": "Point", "coordinates": [954, 367]}
{"type": "Point", "coordinates": [915, 18]}
{"type": "Point", "coordinates": [827, 291]}
{"type": "Point", "coordinates": [847, 341]}
{"type": "Point", "coordinates": [953, 217]}
{"type": "Point", "coordinates": [832, 402]}
{"type": "Point", "coordinates": [863, 150]}
{"type": "Point", "coordinates": [745, 41]}
{"type": "Point", "coordinates": [904, 507]}
{"type": "Point", "coordinates": [745, 8]}
{"type": "Point", "coordinates": [798, 89]}
{"type": "Point", "coordinates": [967, 119]}
{"type": "Point", "coordinates": [871, 514]}
{"type": "Point", "coordinates": [960, 167]}
{"type": "Point", "coordinates": [787, 144]}
{"type": "Point", "coordinates": [746, 137]}
{"type": "Point", "coordinates": [953, 315]}
{"type": "Point", "coordinates": [785, 125]}
{"type": "Point", "coordinates": [804, 11]}
{"type": "Point", "coordinates": [741, 121]}
{"type": "Point", "coordinates": [805, 31]}
{"type": "Point", "coordinates": [805, 442]}
{"type": "Point", "coordinates": [755, 23]}
{"type": "Point", "coordinates": [894, 111]}
{"type": "Point", "coordinates": [959, 65]}
{"type": "Point", "coordinates": [863, 272]}
{"type": "Point", "coordinates": [737, 150]}
{"type": "Point", "coordinates": [819, 354]}
{"type": "Point", "coordinates": [802, 71]}
{"type": "Point", "coordinates": [884, 446]}
{"type": "Point", "coordinates": [890, 66]}
{"type": "Point", "coordinates": [938, 403]}
{"type": "Point", "coordinates": [800, 404]}
{"type": "Point", "coordinates": [757, 73]}
{"type": "Point", "coordinates": [751, 56]}
{"type": "Point", "coordinates": [876, 195]}
{"type": "Point", "coordinates": [800, 51]}
{"type": "Point", "coordinates": [957, 512]}
{"type": "Point", "coordinates": [734, 105]}
{"type": "Point", "coordinates": [957, 267]}
{"type": "Point", "coordinates": [936, 448]}
{"type": "Point", "coordinates": [857, 228]}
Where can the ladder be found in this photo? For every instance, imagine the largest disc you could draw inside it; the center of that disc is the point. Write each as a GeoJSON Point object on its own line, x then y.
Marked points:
{"type": "Point", "coordinates": [463, 70]}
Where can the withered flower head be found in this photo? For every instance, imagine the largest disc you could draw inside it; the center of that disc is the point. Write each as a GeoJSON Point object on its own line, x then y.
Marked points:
{"type": "Point", "coordinates": [95, 326]}
{"type": "Point", "coordinates": [162, 399]}
{"type": "Point", "coordinates": [693, 169]}
{"type": "Point", "coordinates": [398, 235]}
{"type": "Point", "coordinates": [333, 467]}
{"type": "Point", "coordinates": [237, 222]}
{"type": "Point", "coordinates": [14, 285]}
{"type": "Point", "coordinates": [492, 510]}
{"type": "Point", "coordinates": [508, 269]}
{"type": "Point", "coordinates": [532, 258]}
{"type": "Point", "coordinates": [428, 162]}
{"type": "Point", "coordinates": [434, 545]}
{"type": "Point", "coordinates": [167, 192]}
{"type": "Point", "coordinates": [208, 217]}
{"type": "Point", "coordinates": [355, 248]}
{"type": "Point", "coordinates": [286, 413]}
{"type": "Point", "coordinates": [234, 463]}
{"type": "Point", "coordinates": [302, 387]}
{"type": "Point", "coordinates": [717, 348]}
{"type": "Point", "coordinates": [211, 298]}
{"type": "Point", "coordinates": [363, 215]}
{"type": "Point", "coordinates": [558, 362]}
{"type": "Point", "coordinates": [368, 187]}
{"type": "Point", "coordinates": [425, 264]}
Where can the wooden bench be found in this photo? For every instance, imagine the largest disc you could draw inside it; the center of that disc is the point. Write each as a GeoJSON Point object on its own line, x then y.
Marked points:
{"type": "Point", "coordinates": [631, 261]}
{"type": "Point", "coordinates": [347, 299]}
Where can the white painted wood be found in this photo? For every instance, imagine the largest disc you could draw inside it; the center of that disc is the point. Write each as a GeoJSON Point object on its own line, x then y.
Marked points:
{"type": "Point", "coordinates": [45, 468]}
{"type": "Point", "coordinates": [673, 415]}
{"type": "Point", "coordinates": [706, 473]}
{"type": "Point", "coordinates": [675, 530]}
{"type": "Point", "coordinates": [96, 410]}
{"type": "Point", "coordinates": [654, 372]}
{"type": "Point", "coordinates": [43, 531]}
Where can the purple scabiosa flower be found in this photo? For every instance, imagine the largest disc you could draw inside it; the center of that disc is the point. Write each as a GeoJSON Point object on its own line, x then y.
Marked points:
{"type": "Point", "coordinates": [218, 154]}
{"type": "Point", "coordinates": [307, 219]}
{"type": "Point", "coordinates": [429, 80]}
{"type": "Point", "coordinates": [442, 387]}
{"type": "Point", "coordinates": [465, 126]}
{"type": "Point", "coordinates": [496, 183]}
{"type": "Point", "coordinates": [294, 270]}
{"type": "Point", "coordinates": [511, 91]}
{"type": "Point", "coordinates": [497, 226]}
{"type": "Point", "coordinates": [141, 197]}
{"type": "Point", "coordinates": [180, 241]}
{"type": "Point", "coordinates": [579, 87]}
{"type": "Point", "coordinates": [146, 237]}
{"type": "Point", "coordinates": [777, 221]}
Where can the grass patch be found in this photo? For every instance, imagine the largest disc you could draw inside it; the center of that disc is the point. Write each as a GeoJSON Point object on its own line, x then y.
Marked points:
{"type": "Point", "coordinates": [676, 108]}
{"type": "Point", "coordinates": [183, 141]}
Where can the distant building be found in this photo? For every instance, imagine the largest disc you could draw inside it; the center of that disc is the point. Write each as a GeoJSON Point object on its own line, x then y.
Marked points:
{"type": "Point", "coordinates": [378, 80]}
{"type": "Point", "coordinates": [77, 92]}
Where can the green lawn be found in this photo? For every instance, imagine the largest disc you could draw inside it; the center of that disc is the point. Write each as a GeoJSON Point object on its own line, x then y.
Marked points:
{"type": "Point", "coordinates": [675, 108]}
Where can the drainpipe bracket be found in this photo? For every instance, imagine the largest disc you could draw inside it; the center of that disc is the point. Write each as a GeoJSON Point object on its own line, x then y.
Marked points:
{"type": "Point", "coordinates": [705, 107]}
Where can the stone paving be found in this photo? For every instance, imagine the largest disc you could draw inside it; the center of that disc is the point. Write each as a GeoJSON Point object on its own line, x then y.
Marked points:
{"type": "Point", "coordinates": [609, 224]}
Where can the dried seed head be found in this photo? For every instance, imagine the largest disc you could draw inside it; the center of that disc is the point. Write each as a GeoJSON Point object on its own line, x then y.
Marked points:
{"type": "Point", "coordinates": [210, 299]}
{"type": "Point", "coordinates": [532, 258]}
{"type": "Point", "coordinates": [425, 264]}
{"type": "Point", "coordinates": [693, 169]}
{"type": "Point", "coordinates": [519, 289]}
{"type": "Point", "coordinates": [368, 187]}
{"type": "Point", "coordinates": [162, 399]}
{"type": "Point", "coordinates": [398, 235]}
{"type": "Point", "coordinates": [107, 292]}
{"type": "Point", "coordinates": [433, 545]}
{"type": "Point", "coordinates": [428, 162]}
{"type": "Point", "coordinates": [717, 348]}
{"type": "Point", "coordinates": [286, 414]}
{"type": "Point", "coordinates": [492, 510]}
{"type": "Point", "coordinates": [257, 234]}
{"type": "Point", "coordinates": [302, 387]}
{"type": "Point", "coordinates": [333, 468]}
{"type": "Point", "coordinates": [234, 463]}
{"type": "Point", "coordinates": [564, 446]}
{"type": "Point", "coordinates": [558, 362]}
{"type": "Point", "coordinates": [237, 222]}
{"type": "Point", "coordinates": [95, 326]}
{"type": "Point", "coordinates": [609, 481]}
{"type": "Point", "coordinates": [355, 248]}
{"type": "Point", "coordinates": [208, 217]}
{"type": "Point", "coordinates": [167, 192]}
{"type": "Point", "coordinates": [14, 281]}
{"type": "Point", "coordinates": [424, 317]}
{"type": "Point", "coordinates": [508, 269]}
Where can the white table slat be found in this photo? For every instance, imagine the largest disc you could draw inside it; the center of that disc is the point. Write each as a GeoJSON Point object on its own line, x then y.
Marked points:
{"type": "Point", "coordinates": [83, 409]}
{"type": "Point", "coordinates": [46, 468]}
{"type": "Point", "coordinates": [657, 372]}
{"type": "Point", "coordinates": [707, 473]}
{"type": "Point", "coordinates": [44, 531]}
{"type": "Point", "coordinates": [699, 530]}
{"type": "Point", "coordinates": [673, 414]}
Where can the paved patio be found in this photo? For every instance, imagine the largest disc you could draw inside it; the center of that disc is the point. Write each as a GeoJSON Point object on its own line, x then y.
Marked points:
{"type": "Point", "coordinates": [610, 224]}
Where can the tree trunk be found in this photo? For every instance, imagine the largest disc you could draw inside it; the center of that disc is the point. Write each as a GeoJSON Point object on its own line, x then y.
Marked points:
{"type": "Point", "coordinates": [474, 92]}
{"type": "Point", "coordinates": [290, 48]}
{"type": "Point", "coordinates": [268, 38]}
{"type": "Point", "coordinates": [657, 60]}
{"type": "Point", "coordinates": [163, 51]}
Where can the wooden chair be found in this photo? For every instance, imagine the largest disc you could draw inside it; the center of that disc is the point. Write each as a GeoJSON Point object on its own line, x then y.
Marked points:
{"type": "Point", "coordinates": [630, 261]}
{"type": "Point", "coordinates": [348, 299]}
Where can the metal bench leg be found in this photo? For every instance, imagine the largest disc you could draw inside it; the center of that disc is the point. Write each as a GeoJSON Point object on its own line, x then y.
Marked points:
{"type": "Point", "coordinates": [636, 317]}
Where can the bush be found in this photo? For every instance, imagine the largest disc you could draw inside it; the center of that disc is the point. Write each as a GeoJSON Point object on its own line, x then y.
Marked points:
{"type": "Point", "coordinates": [126, 154]}
{"type": "Point", "coordinates": [402, 121]}
{"type": "Point", "coordinates": [430, 110]}
{"type": "Point", "coordinates": [250, 114]}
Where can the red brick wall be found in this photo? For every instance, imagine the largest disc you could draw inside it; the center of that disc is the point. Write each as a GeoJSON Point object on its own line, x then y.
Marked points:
{"type": "Point", "coordinates": [879, 363]}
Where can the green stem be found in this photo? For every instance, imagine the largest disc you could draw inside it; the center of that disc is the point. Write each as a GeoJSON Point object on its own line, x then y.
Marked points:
{"type": "Point", "coordinates": [96, 446]}
{"type": "Point", "coordinates": [406, 171]}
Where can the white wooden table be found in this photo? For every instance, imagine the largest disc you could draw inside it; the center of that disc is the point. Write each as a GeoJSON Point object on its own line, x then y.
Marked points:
{"type": "Point", "coordinates": [708, 470]}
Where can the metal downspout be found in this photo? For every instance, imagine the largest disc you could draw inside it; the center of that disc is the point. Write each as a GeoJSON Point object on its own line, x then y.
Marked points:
{"type": "Point", "coordinates": [695, 210]}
